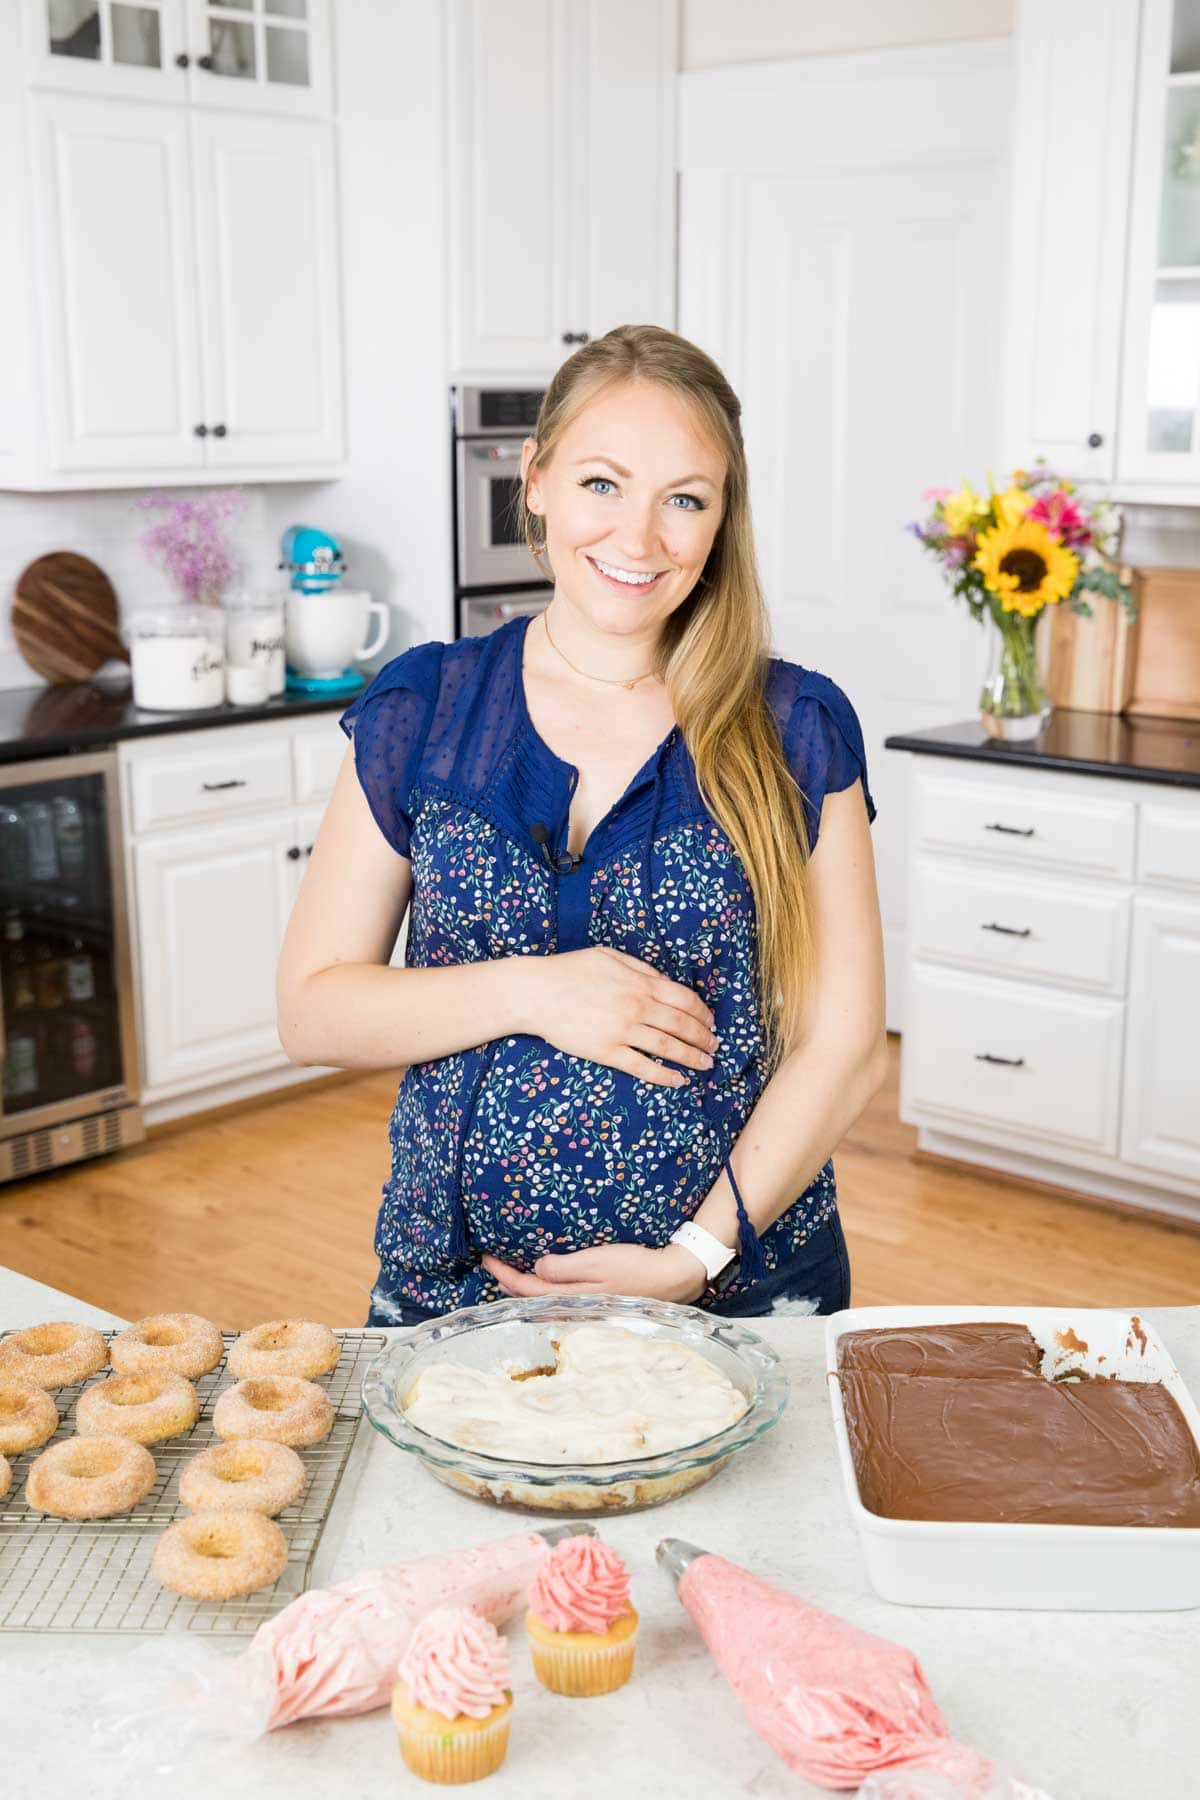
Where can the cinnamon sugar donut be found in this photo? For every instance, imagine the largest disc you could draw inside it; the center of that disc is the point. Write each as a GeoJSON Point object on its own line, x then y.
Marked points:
{"type": "Point", "coordinates": [90, 1477]}
{"type": "Point", "coordinates": [5, 1476]}
{"type": "Point", "coordinates": [52, 1356]}
{"type": "Point", "coordinates": [244, 1475]}
{"type": "Point", "coordinates": [179, 1343]}
{"type": "Point", "coordinates": [28, 1416]}
{"type": "Point", "coordinates": [285, 1347]}
{"type": "Point", "coordinates": [284, 1409]}
{"type": "Point", "coordinates": [143, 1407]}
{"type": "Point", "coordinates": [215, 1555]}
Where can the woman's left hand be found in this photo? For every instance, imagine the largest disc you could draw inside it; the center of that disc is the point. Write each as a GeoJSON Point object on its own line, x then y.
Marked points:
{"type": "Point", "coordinates": [669, 1273]}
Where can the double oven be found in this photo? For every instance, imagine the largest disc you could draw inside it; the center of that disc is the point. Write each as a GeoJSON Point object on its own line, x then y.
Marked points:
{"type": "Point", "coordinates": [495, 577]}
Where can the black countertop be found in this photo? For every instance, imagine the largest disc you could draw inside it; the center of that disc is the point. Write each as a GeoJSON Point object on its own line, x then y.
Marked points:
{"type": "Point", "coordinates": [58, 721]}
{"type": "Point", "coordinates": [1083, 743]}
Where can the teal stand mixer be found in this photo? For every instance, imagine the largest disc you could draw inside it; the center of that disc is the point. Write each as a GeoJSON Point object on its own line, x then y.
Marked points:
{"type": "Point", "coordinates": [327, 625]}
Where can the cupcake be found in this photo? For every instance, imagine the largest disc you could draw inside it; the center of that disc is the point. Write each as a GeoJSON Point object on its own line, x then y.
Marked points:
{"type": "Point", "coordinates": [582, 1629]}
{"type": "Point", "coordinates": [453, 1697]}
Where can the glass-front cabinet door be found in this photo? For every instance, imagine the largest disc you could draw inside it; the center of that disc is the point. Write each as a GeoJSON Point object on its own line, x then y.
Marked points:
{"type": "Point", "coordinates": [1160, 413]}
{"type": "Point", "coordinates": [65, 996]}
{"type": "Point", "coordinates": [261, 54]}
{"type": "Point", "coordinates": [124, 47]}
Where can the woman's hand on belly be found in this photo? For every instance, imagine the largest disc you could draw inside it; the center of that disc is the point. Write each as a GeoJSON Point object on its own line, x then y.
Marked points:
{"type": "Point", "coordinates": [668, 1273]}
{"type": "Point", "coordinates": [609, 1007]}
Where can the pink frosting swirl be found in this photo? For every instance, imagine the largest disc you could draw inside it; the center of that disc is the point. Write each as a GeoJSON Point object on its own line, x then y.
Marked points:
{"type": "Point", "coordinates": [581, 1586]}
{"type": "Point", "coordinates": [456, 1663]}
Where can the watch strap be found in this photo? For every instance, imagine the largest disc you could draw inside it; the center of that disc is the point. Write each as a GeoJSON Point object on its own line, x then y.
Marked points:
{"type": "Point", "coordinates": [708, 1249]}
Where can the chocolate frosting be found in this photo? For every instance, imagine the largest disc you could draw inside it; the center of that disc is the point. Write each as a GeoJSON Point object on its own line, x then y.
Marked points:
{"type": "Point", "coordinates": [989, 1444]}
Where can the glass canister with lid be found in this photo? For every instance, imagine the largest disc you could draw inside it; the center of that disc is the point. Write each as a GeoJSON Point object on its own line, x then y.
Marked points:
{"type": "Point", "coordinates": [177, 655]}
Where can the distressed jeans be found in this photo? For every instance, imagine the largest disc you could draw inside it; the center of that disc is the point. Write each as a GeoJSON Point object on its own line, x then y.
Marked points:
{"type": "Point", "coordinates": [816, 1280]}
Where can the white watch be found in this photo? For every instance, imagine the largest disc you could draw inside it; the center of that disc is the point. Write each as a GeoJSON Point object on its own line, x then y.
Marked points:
{"type": "Point", "coordinates": [705, 1247]}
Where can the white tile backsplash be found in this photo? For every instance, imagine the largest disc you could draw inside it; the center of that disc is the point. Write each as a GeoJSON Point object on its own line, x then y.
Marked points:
{"type": "Point", "coordinates": [106, 526]}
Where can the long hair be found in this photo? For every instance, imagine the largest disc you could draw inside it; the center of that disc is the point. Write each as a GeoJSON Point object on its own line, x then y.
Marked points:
{"type": "Point", "coordinates": [712, 657]}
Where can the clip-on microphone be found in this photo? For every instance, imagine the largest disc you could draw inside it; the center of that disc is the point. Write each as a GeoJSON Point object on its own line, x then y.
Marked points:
{"type": "Point", "coordinates": [570, 858]}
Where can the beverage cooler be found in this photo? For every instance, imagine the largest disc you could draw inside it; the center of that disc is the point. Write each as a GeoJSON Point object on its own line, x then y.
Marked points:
{"type": "Point", "coordinates": [67, 1031]}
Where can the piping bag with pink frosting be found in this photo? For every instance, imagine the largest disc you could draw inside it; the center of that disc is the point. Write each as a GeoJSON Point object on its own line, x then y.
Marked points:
{"type": "Point", "coordinates": [330, 1653]}
{"type": "Point", "coordinates": [839, 1705]}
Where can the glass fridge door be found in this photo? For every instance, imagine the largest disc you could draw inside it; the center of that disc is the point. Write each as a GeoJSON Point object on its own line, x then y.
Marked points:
{"type": "Point", "coordinates": [64, 990]}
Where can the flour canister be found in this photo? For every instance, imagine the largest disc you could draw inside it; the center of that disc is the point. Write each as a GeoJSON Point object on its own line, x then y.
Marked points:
{"type": "Point", "coordinates": [177, 656]}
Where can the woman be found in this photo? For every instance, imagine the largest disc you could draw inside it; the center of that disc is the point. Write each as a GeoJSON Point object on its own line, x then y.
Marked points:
{"type": "Point", "coordinates": [643, 993]}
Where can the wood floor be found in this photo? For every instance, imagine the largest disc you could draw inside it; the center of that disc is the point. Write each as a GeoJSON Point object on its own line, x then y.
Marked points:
{"type": "Point", "coordinates": [268, 1210]}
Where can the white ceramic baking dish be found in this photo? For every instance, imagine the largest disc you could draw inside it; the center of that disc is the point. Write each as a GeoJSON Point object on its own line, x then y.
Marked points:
{"type": "Point", "coordinates": [1100, 1568]}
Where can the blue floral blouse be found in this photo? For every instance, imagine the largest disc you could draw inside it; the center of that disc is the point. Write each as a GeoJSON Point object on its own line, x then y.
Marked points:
{"type": "Point", "coordinates": [512, 1146]}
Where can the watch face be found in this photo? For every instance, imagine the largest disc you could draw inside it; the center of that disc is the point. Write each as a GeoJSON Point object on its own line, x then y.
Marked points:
{"type": "Point", "coordinates": [728, 1275]}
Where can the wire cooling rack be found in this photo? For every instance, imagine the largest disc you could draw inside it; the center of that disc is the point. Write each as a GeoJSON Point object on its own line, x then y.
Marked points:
{"type": "Point", "coordinates": [95, 1575]}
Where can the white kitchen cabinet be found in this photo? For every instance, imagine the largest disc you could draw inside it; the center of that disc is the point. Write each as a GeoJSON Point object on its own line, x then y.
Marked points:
{"type": "Point", "coordinates": [1072, 139]}
{"type": "Point", "coordinates": [212, 906]}
{"type": "Point", "coordinates": [171, 303]}
{"type": "Point", "coordinates": [264, 55]}
{"type": "Point", "coordinates": [1162, 1067]}
{"type": "Point", "coordinates": [560, 175]}
{"type": "Point", "coordinates": [1053, 979]}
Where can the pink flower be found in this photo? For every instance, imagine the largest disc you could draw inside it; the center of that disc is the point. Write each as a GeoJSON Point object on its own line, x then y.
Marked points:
{"type": "Point", "coordinates": [189, 543]}
{"type": "Point", "coordinates": [1063, 517]}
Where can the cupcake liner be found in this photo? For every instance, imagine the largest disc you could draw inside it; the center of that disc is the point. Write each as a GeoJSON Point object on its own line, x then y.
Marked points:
{"type": "Point", "coordinates": [598, 1665]}
{"type": "Point", "coordinates": [451, 1755]}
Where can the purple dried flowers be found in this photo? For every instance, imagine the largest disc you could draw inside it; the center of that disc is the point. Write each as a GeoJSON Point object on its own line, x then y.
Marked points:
{"type": "Point", "coordinates": [189, 544]}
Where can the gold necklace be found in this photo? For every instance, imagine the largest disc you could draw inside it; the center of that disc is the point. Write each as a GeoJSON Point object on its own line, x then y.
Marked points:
{"type": "Point", "coordinates": [612, 680]}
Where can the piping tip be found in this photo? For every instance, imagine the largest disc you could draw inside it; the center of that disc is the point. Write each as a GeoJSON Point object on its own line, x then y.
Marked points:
{"type": "Point", "coordinates": [676, 1553]}
{"type": "Point", "coordinates": [554, 1534]}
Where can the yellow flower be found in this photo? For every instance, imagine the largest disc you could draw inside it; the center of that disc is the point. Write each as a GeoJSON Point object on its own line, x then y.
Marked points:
{"type": "Point", "coordinates": [1011, 505]}
{"type": "Point", "coordinates": [960, 510]}
{"type": "Point", "coordinates": [1025, 567]}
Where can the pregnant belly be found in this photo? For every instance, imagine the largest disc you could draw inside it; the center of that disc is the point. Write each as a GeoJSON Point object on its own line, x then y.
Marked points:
{"type": "Point", "coordinates": [562, 1153]}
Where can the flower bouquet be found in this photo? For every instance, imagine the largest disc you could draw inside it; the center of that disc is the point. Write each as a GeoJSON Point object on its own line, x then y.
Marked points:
{"type": "Point", "coordinates": [189, 544]}
{"type": "Point", "coordinates": [1009, 555]}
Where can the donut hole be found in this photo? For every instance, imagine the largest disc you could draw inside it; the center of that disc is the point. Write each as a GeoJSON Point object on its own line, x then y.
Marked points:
{"type": "Point", "coordinates": [89, 1458]}
{"type": "Point", "coordinates": [245, 1465]}
{"type": "Point", "coordinates": [218, 1541]}
{"type": "Point", "coordinates": [163, 1335]}
{"type": "Point", "coordinates": [131, 1390]}
{"type": "Point", "coordinates": [265, 1396]}
{"type": "Point", "coordinates": [48, 1340]}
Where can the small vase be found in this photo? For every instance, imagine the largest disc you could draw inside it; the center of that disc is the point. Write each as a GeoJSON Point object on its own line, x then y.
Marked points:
{"type": "Point", "coordinates": [1012, 704]}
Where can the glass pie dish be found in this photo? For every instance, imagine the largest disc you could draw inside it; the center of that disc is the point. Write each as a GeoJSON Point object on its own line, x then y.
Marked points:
{"type": "Point", "coordinates": [517, 1336]}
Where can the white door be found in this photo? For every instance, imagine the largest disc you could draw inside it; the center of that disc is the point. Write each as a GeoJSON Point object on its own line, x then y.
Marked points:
{"type": "Point", "coordinates": [260, 55]}
{"type": "Point", "coordinates": [842, 223]}
{"type": "Point", "coordinates": [268, 256]}
{"type": "Point", "coordinates": [113, 214]}
{"type": "Point", "coordinates": [1070, 185]}
{"type": "Point", "coordinates": [1161, 1118]}
{"type": "Point", "coordinates": [212, 906]}
{"type": "Point", "coordinates": [129, 49]}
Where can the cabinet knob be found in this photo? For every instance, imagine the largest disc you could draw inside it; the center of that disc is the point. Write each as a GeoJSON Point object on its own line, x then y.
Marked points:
{"type": "Point", "coordinates": [204, 62]}
{"type": "Point", "coordinates": [1095, 439]}
{"type": "Point", "coordinates": [183, 60]}
{"type": "Point", "coordinates": [294, 853]}
{"type": "Point", "coordinates": [200, 430]}
{"type": "Point", "coordinates": [220, 431]}
{"type": "Point", "coordinates": [574, 337]}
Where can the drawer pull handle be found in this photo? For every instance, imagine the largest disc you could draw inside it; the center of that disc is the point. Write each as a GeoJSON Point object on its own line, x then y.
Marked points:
{"type": "Point", "coordinates": [1009, 1062]}
{"type": "Point", "coordinates": [1009, 930]}
{"type": "Point", "coordinates": [1011, 830]}
{"type": "Point", "coordinates": [218, 787]}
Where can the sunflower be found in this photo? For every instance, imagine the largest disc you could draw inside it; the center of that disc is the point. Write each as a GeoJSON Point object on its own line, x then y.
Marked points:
{"type": "Point", "coordinates": [1025, 567]}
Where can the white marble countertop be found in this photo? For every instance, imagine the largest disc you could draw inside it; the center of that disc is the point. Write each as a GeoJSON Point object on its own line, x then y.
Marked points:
{"type": "Point", "coordinates": [1090, 1706]}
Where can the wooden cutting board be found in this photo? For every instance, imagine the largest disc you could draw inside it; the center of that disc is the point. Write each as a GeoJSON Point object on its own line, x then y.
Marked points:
{"type": "Point", "coordinates": [64, 617]}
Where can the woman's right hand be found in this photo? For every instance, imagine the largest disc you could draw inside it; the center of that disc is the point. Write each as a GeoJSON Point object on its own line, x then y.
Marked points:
{"type": "Point", "coordinates": [613, 1008]}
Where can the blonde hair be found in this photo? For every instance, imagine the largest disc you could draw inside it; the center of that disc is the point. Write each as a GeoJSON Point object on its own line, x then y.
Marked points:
{"type": "Point", "coordinates": [712, 656]}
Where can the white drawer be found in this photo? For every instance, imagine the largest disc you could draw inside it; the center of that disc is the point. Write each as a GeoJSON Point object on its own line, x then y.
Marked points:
{"type": "Point", "coordinates": [230, 778]}
{"type": "Point", "coordinates": [316, 758]}
{"type": "Point", "coordinates": [1041, 1064]}
{"type": "Point", "coordinates": [1169, 846]}
{"type": "Point", "coordinates": [1058, 931]}
{"type": "Point", "coordinates": [1026, 827]}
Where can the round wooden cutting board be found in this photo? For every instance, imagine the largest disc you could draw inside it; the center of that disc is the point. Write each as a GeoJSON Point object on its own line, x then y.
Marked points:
{"type": "Point", "coordinates": [64, 617]}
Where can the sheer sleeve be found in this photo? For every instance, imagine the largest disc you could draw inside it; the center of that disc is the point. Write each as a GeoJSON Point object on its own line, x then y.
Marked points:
{"type": "Point", "coordinates": [823, 743]}
{"type": "Point", "coordinates": [389, 722]}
